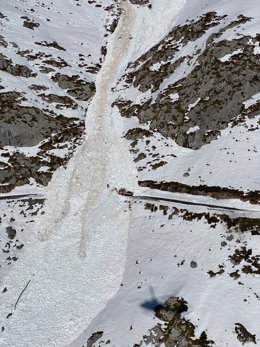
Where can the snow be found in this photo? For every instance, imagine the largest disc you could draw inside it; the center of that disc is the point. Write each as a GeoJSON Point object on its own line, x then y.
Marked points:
{"type": "Point", "coordinates": [235, 144]}
{"type": "Point", "coordinates": [174, 96]}
{"type": "Point", "coordinates": [159, 276]}
{"type": "Point", "coordinates": [193, 129]}
{"type": "Point", "coordinates": [257, 49]}
{"type": "Point", "coordinates": [191, 106]}
{"type": "Point", "coordinates": [228, 56]}
{"type": "Point", "coordinates": [254, 99]}
{"type": "Point", "coordinates": [85, 232]}
{"type": "Point", "coordinates": [90, 240]}
{"type": "Point", "coordinates": [150, 27]}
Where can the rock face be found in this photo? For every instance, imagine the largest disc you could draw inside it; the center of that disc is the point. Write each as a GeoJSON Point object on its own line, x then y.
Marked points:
{"type": "Point", "coordinates": [194, 109]}
{"type": "Point", "coordinates": [23, 125]}
{"type": "Point", "coordinates": [47, 79]}
{"type": "Point", "coordinates": [76, 87]}
{"type": "Point", "coordinates": [94, 338]}
{"type": "Point", "coordinates": [8, 66]}
{"type": "Point", "coordinates": [176, 330]}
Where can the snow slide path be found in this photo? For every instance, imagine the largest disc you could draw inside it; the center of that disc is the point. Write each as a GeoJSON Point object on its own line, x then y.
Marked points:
{"type": "Point", "coordinates": [76, 262]}
{"type": "Point", "coordinates": [90, 175]}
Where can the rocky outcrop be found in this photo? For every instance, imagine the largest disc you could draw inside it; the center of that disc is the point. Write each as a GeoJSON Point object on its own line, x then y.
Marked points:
{"type": "Point", "coordinates": [176, 330]}
{"type": "Point", "coordinates": [75, 86]}
{"type": "Point", "coordinates": [7, 65]}
{"type": "Point", "coordinates": [210, 96]}
{"type": "Point", "coordinates": [243, 335]}
{"type": "Point", "coordinates": [24, 125]}
{"type": "Point", "coordinates": [94, 338]}
{"type": "Point", "coordinates": [140, 2]}
{"type": "Point", "coordinates": [29, 23]}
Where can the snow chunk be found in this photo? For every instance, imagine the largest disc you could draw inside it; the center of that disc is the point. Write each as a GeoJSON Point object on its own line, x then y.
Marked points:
{"type": "Point", "coordinates": [228, 56]}
{"type": "Point", "coordinates": [192, 130]}
{"type": "Point", "coordinates": [174, 97]}
{"type": "Point", "coordinates": [191, 106]}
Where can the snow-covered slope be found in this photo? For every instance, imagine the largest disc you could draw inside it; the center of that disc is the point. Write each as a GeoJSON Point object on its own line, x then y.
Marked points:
{"type": "Point", "coordinates": [50, 53]}
{"type": "Point", "coordinates": [190, 101]}
{"type": "Point", "coordinates": [160, 97]}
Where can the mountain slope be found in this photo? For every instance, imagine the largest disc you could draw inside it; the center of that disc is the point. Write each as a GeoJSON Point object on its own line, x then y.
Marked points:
{"type": "Point", "coordinates": [160, 97]}
{"type": "Point", "coordinates": [191, 112]}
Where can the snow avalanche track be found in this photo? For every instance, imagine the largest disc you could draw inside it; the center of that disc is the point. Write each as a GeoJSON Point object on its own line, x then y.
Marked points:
{"type": "Point", "coordinates": [77, 261]}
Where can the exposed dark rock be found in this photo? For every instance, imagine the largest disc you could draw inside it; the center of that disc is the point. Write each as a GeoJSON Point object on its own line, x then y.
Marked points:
{"type": "Point", "coordinates": [140, 2]}
{"type": "Point", "coordinates": [213, 191]}
{"type": "Point", "coordinates": [11, 232]}
{"type": "Point", "coordinates": [215, 273]}
{"type": "Point", "coordinates": [137, 133]}
{"type": "Point", "coordinates": [209, 97]}
{"type": "Point", "coordinates": [193, 264]}
{"type": "Point", "coordinates": [176, 330]}
{"type": "Point", "coordinates": [252, 266]}
{"type": "Point", "coordinates": [62, 100]}
{"type": "Point", "coordinates": [14, 69]}
{"type": "Point", "coordinates": [75, 86]}
{"type": "Point", "coordinates": [29, 23]}
{"type": "Point", "coordinates": [53, 44]}
{"type": "Point", "coordinates": [21, 168]}
{"type": "Point", "coordinates": [94, 338]}
{"type": "Point", "coordinates": [24, 125]}
{"type": "Point", "coordinates": [3, 43]}
{"type": "Point", "coordinates": [243, 335]}
{"type": "Point", "coordinates": [37, 87]}
{"type": "Point", "coordinates": [2, 16]}
{"type": "Point", "coordinates": [58, 62]}
{"type": "Point", "coordinates": [172, 307]}
{"type": "Point", "coordinates": [238, 225]}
